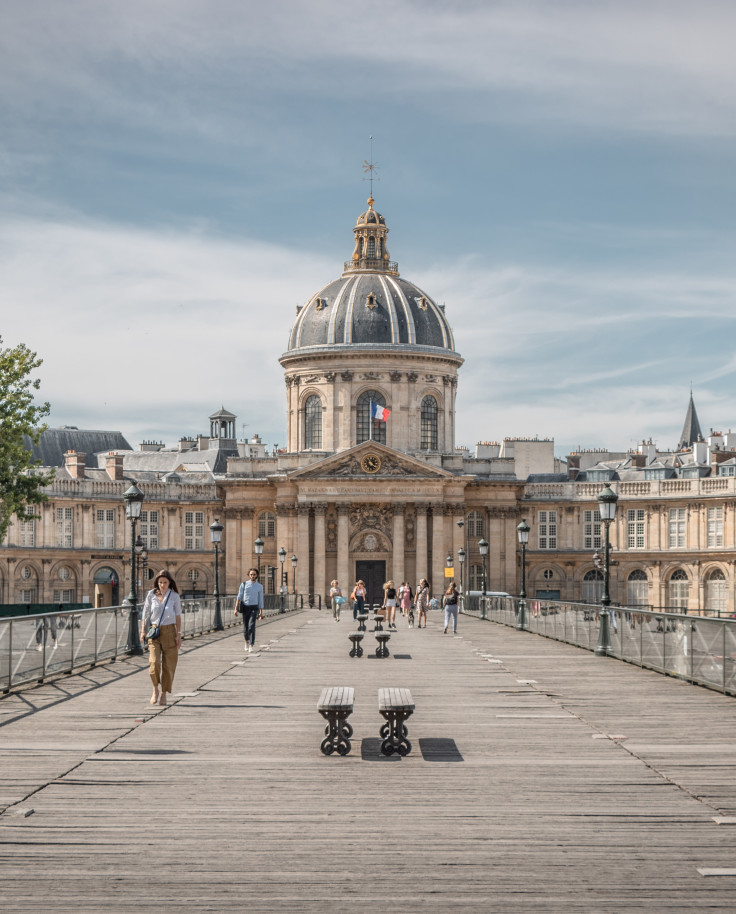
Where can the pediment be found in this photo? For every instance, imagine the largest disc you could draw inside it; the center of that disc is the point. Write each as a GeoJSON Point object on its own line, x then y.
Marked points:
{"type": "Point", "coordinates": [350, 465]}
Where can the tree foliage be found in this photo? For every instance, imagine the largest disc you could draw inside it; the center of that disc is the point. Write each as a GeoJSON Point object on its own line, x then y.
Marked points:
{"type": "Point", "coordinates": [20, 485]}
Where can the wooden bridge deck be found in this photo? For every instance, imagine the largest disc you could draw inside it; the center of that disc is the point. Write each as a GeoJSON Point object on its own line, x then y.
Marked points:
{"type": "Point", "coordinates": [542, 778]}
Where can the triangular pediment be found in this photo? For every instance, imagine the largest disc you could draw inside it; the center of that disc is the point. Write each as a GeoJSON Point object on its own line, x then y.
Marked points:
{"type": "Point", "coordinates": [370, 460]}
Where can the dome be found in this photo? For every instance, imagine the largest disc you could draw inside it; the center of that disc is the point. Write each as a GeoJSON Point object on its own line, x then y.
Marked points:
{"type": "Point", "coordinates": [371, 305]}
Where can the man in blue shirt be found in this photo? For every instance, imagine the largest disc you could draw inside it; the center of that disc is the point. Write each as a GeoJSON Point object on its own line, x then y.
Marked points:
{"type": "Point", "coordinates": [250, 604]}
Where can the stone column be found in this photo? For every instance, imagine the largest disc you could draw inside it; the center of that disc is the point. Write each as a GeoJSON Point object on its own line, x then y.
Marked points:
{"type": "Point", "coordinates": [343, 547]}
{"type": "Point", "coordinates": [302, 551]}
{"type": "Point", "coordinates": [45, 595]}
{"type": "Point", "coordinates": [397, 559]}
{"type": "Point", "coordinates": [320, 570]}
{"type": "Point", "coordinates": [439, 549]}
{"type": "Point", "coordinates": [422, 571]}
{"type": "Point", "coordinates": [346, 394]}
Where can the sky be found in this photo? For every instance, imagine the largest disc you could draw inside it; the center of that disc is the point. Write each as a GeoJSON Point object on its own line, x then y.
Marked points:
{"type": "Point", "coordinates": [176, 176]}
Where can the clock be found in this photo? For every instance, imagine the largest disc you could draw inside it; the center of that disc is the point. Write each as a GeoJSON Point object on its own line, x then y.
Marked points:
{"type": "Point", "coordinates": [371, 463]}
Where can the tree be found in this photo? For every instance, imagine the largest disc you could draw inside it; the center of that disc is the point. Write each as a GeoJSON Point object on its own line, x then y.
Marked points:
{"type": "Point", "coordinates": [20, 485]}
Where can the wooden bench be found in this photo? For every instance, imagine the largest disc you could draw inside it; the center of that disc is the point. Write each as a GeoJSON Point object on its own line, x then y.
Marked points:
{"type": "Point", "coordinates": [382, 638]}
{"type": "Point", "coordinates": [336, 705]}
{"type": "Point", "coordinates": [357, 649]}
{"type": "Point", "coordinates": [395, 706]}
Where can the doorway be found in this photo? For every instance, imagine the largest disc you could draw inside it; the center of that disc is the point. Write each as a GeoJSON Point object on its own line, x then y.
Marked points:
{"type": "Point", "coordinates": [374, 575]}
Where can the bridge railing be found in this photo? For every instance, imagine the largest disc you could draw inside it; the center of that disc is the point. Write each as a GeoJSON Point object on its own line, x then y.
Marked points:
{"type": "Point", "coordinates": [37, 647]}
{"type": "Point", "coordinates": [699, 649]}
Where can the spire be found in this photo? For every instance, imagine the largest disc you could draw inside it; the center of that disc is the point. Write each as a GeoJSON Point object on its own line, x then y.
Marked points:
{"type": "Point", "coordinates": [691, 429]}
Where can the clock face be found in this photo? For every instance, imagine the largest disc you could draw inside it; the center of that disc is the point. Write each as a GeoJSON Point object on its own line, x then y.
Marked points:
{"type": "Point", "coordinates": [371, 463]}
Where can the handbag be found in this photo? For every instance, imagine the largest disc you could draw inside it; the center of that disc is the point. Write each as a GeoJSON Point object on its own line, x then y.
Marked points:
{"type": "Point", "coordinates": [339, 600]}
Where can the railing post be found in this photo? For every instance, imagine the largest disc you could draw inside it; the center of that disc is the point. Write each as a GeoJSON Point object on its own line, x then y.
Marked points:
{"type": "Point", "coordinates": [10, 656]}
{"type": "Point", "coordinates": [723, 676]}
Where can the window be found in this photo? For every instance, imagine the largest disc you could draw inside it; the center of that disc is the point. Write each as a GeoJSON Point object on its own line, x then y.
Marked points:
{"type": "Point", "coordinates": [371, 246]}
{"type": "Point", "coordinates": [26, 573]}
{"type": "Point", "coordinates": [267, 524]}
{"type": "Point", "coordinates": [679, 587]}
{"type": "Point", "coordinates": [635, 528]}
{"type": "Point", "coordinates": [65, 596]}
{"type": "Point", "coordinates": [64, 573]}
{"type": "Point", "coordinates": [547, 525]}
{"type": "Point", "coordinates": [149, 529]}
{"type": "Point", "coordinates": [716, 592]}
{"type": "Point", "coordinates": [715, 526]}
{"type": "Point", "coordinates": [105, 528]}
{"type": "Point", "coordinates": [548, 574]}
{"type": "Point", "coordinates": [194, 530]}
{"type": "Point", "coordinates": [428, 424]}
{"type": "Point", "coordinates": [599, 475]}
{"type": "Point", "coordinates": [637, 589]}
{"type": "Point", "coordinates": [677, 528]}
{"type": "Point", "coordinates": [591, 529]}
{"type": "Point", "coordinates": [475, 524]}
{"type": "Point", "coordinates": [592, 587]}
{"type": "Point", "coordinates": [64, 527]}
{"type": "Point", "coordinates": [476, 577]}
{"type": "Point", "coordinates": [313, 423]}
{"type": "Point", "coordinates": [27, 533]}
{"type": "Point", "coordinates": [724, 470]}
{"type": "Point", "coordinates": [193, 574]}
{"type": "Point", "coordinates": [27, 595]}
{"type": "Point", "coordinates": [363, 418]}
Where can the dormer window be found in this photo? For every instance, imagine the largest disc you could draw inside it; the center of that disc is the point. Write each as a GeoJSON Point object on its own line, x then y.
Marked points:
{"type": "Point", "coordinates": [370, 301]}
{"type": "Point", "coordinates": [320, 304]}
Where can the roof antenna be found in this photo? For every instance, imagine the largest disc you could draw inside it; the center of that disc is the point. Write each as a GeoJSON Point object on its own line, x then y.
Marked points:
{"type": "Point", "coordinates": [370, 169]}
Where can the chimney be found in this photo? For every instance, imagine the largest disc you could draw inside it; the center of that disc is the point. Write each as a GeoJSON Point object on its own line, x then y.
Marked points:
{"type": "Point", "coordinates": [74, 463]}
{"type": "Point", "coordinates": [638, 460]}
{"type": "Point", "coordinates": [114, 466]}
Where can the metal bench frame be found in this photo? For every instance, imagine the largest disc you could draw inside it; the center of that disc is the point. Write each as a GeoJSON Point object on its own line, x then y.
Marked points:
{"type": "Point", "coordinates": [336, 705]}
{"type": "Point", "coordinates": [396, 706]}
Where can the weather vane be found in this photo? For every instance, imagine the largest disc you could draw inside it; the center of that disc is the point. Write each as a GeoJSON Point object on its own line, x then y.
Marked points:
{"type": "Point", "coordinates": [370, 168]}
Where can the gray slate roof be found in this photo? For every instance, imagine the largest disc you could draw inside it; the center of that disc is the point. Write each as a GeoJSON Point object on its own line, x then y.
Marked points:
{"type": "Point", "coordinates": [56, 441]}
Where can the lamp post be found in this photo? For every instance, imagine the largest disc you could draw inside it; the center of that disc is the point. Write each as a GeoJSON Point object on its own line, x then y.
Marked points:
{"type": "Point", "coordinates": [607, 502]}
{"type": "Point", "coordinates": [216, 529]}
{"type": "Point", "coordinates": [461, 525]}
{"type": "Point", "coordinates": [461, 559]}
{"type": "Point", "coordinates": [522, 531]}
{"type": "Point", "coordinates": [258, 549]}
{"type": "Point", "coordinates": [483, 549]}
{"type": "Point", "coordinates": [282, 588]}
{"type": "Point", "coordinates": [133, 499]}
{"type": "Point", "coordinates": [294, 561]}
{"type": "Point", "coordinates": [140, 552]}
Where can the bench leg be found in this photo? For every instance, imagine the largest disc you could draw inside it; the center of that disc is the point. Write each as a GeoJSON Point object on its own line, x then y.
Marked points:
{"type": "Point", "coordinates": [395, 732]}
{"type": "Point", "coordinates": [337, 732]}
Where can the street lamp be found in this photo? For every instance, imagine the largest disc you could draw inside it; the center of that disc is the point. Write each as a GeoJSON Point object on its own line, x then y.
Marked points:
{"type": "Point", "coordinates": [216, 529]}
{"type": "Point", "coordinates": [258, 549]}
{"type": "Point", "coordinates": [461, 559]}
{"type": "Point", "coordinates": [282, 589]}
{"type": "Point", "coordinates": [522, 531]}
{"type": "Point", "coordinates": [294, 561]}
{"type": "Point", "coordinates": [483, 549]}
{"type": "Point", "coordinates": [461, 525]}
{"type": "Point", "coordinates": [133, 499]}
{"type": "Point", "coordinates": [607, 502]}
{"type": "Point", "coordinates": [140, 558]}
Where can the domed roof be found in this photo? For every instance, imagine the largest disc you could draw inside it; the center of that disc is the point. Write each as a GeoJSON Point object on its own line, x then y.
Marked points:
{"type": "Point", "coordinates": [371, 305]}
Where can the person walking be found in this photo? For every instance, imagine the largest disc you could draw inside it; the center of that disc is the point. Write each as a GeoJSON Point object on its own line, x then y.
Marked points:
{"type": "Point", "coordinates": [389, 603]}
{"type": "Point", "coordinates": [405, 596]}
{"type": "Point", "coordinates": [422, 602]}
{"type": "Point", "coordinates": [450, 601]}
{"type": "Point", "coordinates": [162, 608]}
{"type": "Point", "coordinates": [336, 598]}
{"type": "Point", "coordinates": [250, 603]}
{"type": "Point", "coordinates": [358, 597]}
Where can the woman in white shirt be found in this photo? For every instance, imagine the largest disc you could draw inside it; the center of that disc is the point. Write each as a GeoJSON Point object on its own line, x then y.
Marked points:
{"type": "Point", "coordinates": [162, 608]}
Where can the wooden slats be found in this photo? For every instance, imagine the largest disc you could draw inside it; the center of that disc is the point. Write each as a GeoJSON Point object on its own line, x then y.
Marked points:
{"type": "Point", "coordinates": [336, 698]}
{"type": "Point", "coordinates": [393, 699]}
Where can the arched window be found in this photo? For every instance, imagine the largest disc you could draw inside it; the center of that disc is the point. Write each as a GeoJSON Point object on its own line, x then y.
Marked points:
{"type": "Point", "coordinates": [716, 593]}
{"type": "Point", "coordinates": [592, 587]}
{"type": "Point", "coordinates": [475, 524]}
{"type": "Point", "coordinates": [363, 418]}
{"type": "Point", "coordinates": [428, 424]}
{"type": "Point", "coordinates": [679, 587]}
{"type": "Point", "coordinates": [637, 589]}
{"type": "Point", "coordinates": [313, 423]}
{"type": "Point", "coordinates": [371, 247]}
{"type": "Point", "coordinates": [267, 524]}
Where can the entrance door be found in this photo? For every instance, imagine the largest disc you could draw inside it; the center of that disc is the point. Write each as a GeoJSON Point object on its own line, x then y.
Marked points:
{"type": "Point", "coordinates": [374, 575]}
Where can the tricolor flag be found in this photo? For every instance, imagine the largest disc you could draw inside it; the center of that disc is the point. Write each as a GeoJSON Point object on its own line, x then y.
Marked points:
{"type": "Point", "coordinates": [379, 412]}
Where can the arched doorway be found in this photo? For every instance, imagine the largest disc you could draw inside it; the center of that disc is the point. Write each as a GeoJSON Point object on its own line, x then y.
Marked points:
{"type": "Point", "coordinates": [107, 587]}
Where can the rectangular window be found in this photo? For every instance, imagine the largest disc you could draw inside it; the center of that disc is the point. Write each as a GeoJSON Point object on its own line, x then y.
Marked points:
{"type": "Point", "coordinates": [27, 533]}
{"type": "Point", "coordinates": [677, 528]}
{"type": "Point", "coordinates": [591, 530]}
{"type": "Point", "coordinates": [26, 596]}
{"type": "Point", "coordinates": [547, 529]}
{"type": "Point", "coordinates": [715, 526]}
{"type": "Point", "coordinates": [635, 521]}
{"type": "Point", "coordinates": [65, 527]}
{"type": "Point", "coordinates": [105, 528]}
{"type": "Point", "coordinates": [65, 596]}
{"type": "Point", "coordinates": [149, 529]}
{"type": "Point", "coordinates": [194, 530]}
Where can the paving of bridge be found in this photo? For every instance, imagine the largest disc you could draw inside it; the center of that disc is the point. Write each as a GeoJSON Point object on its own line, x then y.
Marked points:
{"type": "Point", "coordinates": [550, 781]}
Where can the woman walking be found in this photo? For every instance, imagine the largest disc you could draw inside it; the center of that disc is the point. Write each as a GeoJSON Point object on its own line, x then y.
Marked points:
{"type": "Point", "coordinates": [250, 602]}
{"type": "Point", "coordinates": [336, 598]}
{"type": "Point", "coordinates": [358, 597]}
{"type": "Point", "coordinates": [162, 609]}
{"type": "Point", "coordinates": [422, 601]}
{"type": "Point", "coordinates": [405, 595]}
{"type": "Point", "coordinates": [449, 601]}
{"type": "Point", "coordinates": [389, 603]}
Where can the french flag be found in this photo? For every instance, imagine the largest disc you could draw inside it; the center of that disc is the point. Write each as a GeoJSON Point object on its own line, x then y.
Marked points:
{"type": "Point", "coordinates": [379, 412]}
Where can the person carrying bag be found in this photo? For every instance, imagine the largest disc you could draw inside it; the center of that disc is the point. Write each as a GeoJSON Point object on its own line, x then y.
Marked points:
{"type": "Point", "coordinates": [250, 604]}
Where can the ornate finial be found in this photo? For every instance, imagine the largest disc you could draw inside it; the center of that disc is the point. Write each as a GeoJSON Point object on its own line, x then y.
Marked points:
{"type": "Point", "coordinates": [370, 168]}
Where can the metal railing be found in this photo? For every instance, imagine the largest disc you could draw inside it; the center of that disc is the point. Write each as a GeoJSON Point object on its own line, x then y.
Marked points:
{"type": "Point", "coordinates": [699, 649]}
{"type": "Point", "coordinates": [35, 648]}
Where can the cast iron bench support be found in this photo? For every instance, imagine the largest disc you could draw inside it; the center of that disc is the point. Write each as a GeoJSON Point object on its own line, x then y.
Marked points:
{"type": "Point", "coordinates": [336, 705]}
{"type": "Point", "coordinates": [382, 638]}
{"type": "Point", "coordinates": [362, 619]}
{"type": "Point", "coordinates": [356, 649]}
{"type": "Point", "coordinates": [396, 707]}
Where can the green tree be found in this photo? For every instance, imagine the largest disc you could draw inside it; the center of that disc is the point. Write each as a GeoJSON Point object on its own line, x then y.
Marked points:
{"type": "Point", "coordinates": [21, 486]}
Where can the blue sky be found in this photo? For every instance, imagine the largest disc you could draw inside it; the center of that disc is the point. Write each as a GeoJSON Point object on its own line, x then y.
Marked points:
{"type": "Point", "coordinates": [176, 176]}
